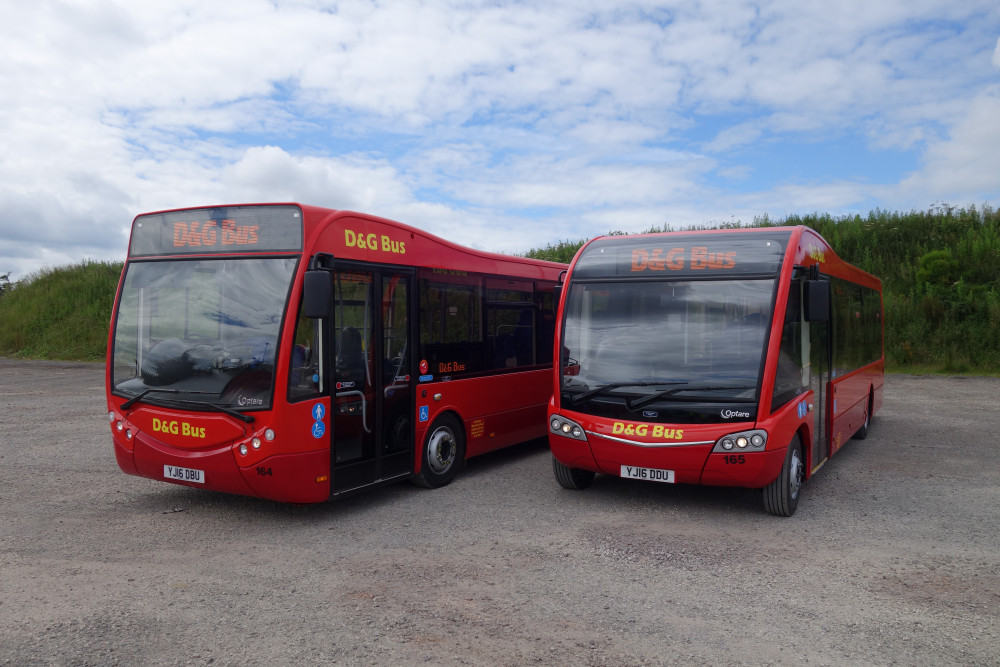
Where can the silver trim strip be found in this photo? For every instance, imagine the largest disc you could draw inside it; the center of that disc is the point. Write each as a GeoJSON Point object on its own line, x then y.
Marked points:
{"type": "Point", "coordinates": [650, 444]}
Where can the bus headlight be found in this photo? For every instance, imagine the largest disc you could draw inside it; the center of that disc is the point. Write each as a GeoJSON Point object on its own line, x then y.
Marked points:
{"type": "Point", "coordinates": [566, 428]}
{"type": "Point", "coordinates": [747, 441]}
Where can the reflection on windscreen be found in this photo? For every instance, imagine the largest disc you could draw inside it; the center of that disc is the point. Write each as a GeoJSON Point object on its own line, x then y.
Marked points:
{"type": "Point", "coordinates": [707, 334]}
{"type": "Point", "coordinates": [204, 330]}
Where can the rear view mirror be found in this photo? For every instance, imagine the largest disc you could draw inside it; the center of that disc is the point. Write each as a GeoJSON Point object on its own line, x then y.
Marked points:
{"type": "Point", "coordinates": [317, 294]}
{"type": "Point", "coordinates": [817, 301]}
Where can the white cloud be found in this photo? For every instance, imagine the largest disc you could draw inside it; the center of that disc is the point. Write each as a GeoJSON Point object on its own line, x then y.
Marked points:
{"type": "Point", "coordinates": [493, 123]}
{"type": "Point", "coordinates": [966, 164]}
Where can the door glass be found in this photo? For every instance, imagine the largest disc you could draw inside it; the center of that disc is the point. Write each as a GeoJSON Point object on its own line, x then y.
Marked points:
{"type": "Point", "coordinates": [820, 374]}
{"type": "Point", "coordinates": [396, 380]}
{"type": "Point", "coordinates": [354, 413]}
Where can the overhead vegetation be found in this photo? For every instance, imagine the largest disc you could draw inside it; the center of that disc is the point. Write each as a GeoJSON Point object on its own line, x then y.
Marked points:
{"type": "Point", "coordinates": [940, 271]}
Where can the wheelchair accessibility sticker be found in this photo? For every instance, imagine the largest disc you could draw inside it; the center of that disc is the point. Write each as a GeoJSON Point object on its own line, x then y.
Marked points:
{"type": "Point", "coordinates": [318, 427]}
{"type": "Point", "coordinates": [425, 413]}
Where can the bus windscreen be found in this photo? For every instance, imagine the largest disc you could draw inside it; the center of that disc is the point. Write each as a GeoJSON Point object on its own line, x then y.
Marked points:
{"type": "Point", "coordinates": [191, 330]}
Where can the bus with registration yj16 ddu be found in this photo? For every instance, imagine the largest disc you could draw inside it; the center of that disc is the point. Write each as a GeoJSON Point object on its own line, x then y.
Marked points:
{"type": "Point", "coordinates": [298, 353]}
{"type": "Point", "coordinates": [743, 357]}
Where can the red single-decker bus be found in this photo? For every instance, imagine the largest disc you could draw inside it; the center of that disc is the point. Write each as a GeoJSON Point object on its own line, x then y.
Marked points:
{"type": "Point", "coordinates": [298, 353]}
{"type": "Point", "coordinates": [741, 357]}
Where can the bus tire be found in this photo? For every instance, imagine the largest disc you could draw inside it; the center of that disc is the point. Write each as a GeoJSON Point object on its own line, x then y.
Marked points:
{"type": "Point", "coordinates": [781, 496]}
{"type": "Point", "coordinates": [573, 479]}
{"type": "Point", "coordinates": [442, 453]}
{"type": "Point", "coordinates": [862, 432]}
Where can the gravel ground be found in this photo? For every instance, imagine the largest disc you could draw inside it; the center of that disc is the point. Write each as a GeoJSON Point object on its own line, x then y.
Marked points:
{"type": "Point", "coordinates": [892, 558]}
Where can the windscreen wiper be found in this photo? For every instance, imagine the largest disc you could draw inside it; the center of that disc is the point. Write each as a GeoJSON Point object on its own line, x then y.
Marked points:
{"type": "Point", "coordinates": [138, 397]}
{"type": "Point", "coordinates": [212, 406]}
{"type": "Point", "coordinates": [579, 398]}
{"type": "Point", "coordinates": [249, 419]}
{"type": "Point", "coordinates": [643, 400]}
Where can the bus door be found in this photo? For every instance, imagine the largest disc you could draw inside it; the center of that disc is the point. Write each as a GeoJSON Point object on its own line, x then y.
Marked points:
{"type": "Point", "coordinates": [372, 405]}
{"type": "Point", "coordinates": [818, 335]}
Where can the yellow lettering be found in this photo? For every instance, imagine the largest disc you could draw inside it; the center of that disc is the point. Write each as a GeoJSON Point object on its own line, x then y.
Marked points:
{"type": "Point", "coordinates": [641, 429]}
{"type": "Point", "coordinates": [349, 238]}
{"type": "Point", "coordinates": [617, 428]}
{"type": "Point", "coordinates": [658, 431]}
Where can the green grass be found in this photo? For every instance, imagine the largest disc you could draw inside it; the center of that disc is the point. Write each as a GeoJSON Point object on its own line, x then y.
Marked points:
{"type": "Point", "coordinates": [60, 313]}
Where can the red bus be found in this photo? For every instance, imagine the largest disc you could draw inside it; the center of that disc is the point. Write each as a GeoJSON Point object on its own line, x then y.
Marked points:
{"type": "Point", "coordinates": [739, 357]}
{"type": "Point", "coordinates": [298, 353]}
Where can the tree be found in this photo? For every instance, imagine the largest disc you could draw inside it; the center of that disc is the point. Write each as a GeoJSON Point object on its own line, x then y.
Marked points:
{"type": "Point", "coordinates": [937, 267]}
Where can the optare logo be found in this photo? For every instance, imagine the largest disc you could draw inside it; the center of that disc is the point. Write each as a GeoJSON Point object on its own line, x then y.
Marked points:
{"type": "Point", "coordinates": [650, 414]}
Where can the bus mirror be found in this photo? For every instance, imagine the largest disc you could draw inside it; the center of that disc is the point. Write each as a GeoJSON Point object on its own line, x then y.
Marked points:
{"type": "Point", "coordinates": [317, 294]}
{"type": "Point", "coordinates": [817, 305]}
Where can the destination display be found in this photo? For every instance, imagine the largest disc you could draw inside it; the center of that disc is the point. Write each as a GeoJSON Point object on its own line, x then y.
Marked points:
{"type": "Point", "coordinates": [687, 255]}
{"type": "Point", "coordinates": [218, 230]}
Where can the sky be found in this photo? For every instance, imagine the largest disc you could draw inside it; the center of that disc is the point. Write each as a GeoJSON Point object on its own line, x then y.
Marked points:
{"type": "Point", "coordinates": [500, 125]}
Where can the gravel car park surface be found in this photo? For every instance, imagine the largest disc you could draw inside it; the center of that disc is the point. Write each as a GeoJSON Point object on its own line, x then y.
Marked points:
{"type": "Point", "coordinates": [892, 558]}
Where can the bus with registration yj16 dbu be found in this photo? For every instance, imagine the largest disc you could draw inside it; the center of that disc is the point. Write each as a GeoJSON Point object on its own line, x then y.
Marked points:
{"type": "Point", "coordinates": [298, 353]}
{"type": "Point", "coordinates": [744, 357]}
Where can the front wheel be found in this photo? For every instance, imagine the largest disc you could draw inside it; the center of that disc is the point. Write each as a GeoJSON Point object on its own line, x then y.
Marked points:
{"type": "Point", "coordinates": [571, 478]}
{"type": "Point", "coordinates": [781, 496]}
{"type": "Point", "coordinates": [443, 452]}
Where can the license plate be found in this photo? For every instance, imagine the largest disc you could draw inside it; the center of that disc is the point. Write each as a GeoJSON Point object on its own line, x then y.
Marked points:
{"type": "Point", "coordinates": [650, 474]}
{"type": "Point", "coordinates": [184, 474]}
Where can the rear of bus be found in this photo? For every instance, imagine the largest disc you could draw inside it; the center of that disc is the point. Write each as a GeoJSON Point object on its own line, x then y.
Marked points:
{"type": "Point", "coordinates": [664, 370]}
{"type": "Point", "coordinates": [196, 386]}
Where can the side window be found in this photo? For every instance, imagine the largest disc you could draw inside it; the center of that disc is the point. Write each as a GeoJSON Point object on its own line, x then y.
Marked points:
{"type": "Point", "coordinates": [305, 378]}
{"type": "Point", "coordinates": [792, 376]}
{"type": "Point", "coordinates": [545, 326]}
{"type": "Point", "coordinates": [510, 323]}
{"type": "Point", "coordinates": [451, 323]}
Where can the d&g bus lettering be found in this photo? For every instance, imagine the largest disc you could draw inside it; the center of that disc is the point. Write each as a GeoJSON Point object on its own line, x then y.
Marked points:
{"type": "Point", "coordinates": [661, 259]}
{"type": "Point", "coordinates": [197, 233]}
{"type": "Point", "coordinates": [178, 428]}
{"type": "Point", "coordinates": [658, 431]}
{"type": "Point", "coordinates": [372, 241]}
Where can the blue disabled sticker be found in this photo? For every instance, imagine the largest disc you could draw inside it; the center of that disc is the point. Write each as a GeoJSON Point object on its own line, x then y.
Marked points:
{"type": "Point", "coordinates": [319, 428]}
{"type": "Point", "coordinates": [425, 413]}
{"type": "Point", "coordinates": [319, 412]}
